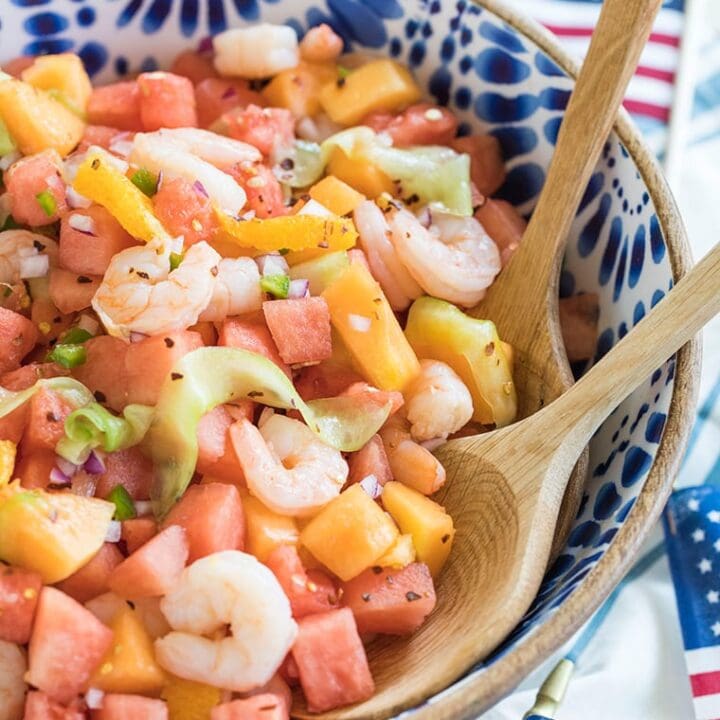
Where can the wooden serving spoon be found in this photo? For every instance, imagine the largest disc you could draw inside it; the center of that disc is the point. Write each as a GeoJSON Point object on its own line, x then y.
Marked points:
{"type": "Point", "coordinates": [504, 490]}
{"type": "Point", "coordinates": [523, 300]}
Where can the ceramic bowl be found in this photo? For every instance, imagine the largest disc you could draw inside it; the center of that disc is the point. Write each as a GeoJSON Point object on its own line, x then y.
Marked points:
{"type": "Point", "coordinates": [502, 74]}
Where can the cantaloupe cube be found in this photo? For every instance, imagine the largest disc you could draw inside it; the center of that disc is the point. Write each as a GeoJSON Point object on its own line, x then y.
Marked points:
{"type": "Point", "coordinates": [129, 665]}
{"type": "Point", "coordinates": [188, 700]}
{"type": "Point", "coordinates": [37, 122]}
{"type": "Point", "coordinates": [265, 529]}
{"type": "Point", "coordinates": [65, 73]}
{"type": "Point", "coordinates": [402, 553]}
{"type": "Point", "coordinates": [72, 292]}
{"type": "Point", "coordinates": [350, 533]}
{"type": "Point", "coordinates": [337, 196]}
{"type": "Point", "coordinates": [378, 85]}
{"type": "Point", "coordinates": [361, 175]}
{"type": "Point", "coordinates": [297, 89]}
{"type": "Point", "coordinates": [8, 453]}
{"type": "Point", "coordinates": [431, 527]}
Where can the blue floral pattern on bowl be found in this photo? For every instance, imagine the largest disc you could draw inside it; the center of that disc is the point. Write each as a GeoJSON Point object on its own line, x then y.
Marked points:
{"type": "Point", "coordinates": [498, 82]}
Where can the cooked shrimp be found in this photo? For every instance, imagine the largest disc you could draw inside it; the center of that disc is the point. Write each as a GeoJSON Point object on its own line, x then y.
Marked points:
{"type": "Point", "coordinates": [321, 44]}
{"type": "Point", "coordinates": [12, 685]}
{"type": "Point", "coordinates": [287, 467]}
{"type": "Point", "coordinates": [236, 291]}
{"type": "Point", "coordinates": [256, 52]}
{"type": "Point", "coordinates": [437, 402]}
{"type": "Point", "coordinates": [156, 154]}
{"type": "Point", "coordinates": [454, 259]}
{"type": "Point", "coordinates": [223, 152]}
{"type": "Point", "coordinates": [140, 293]}
{"type": "Point", "coordinates": [226, 588]}
{"type": "Point", "coordinates": [411, 463]}
{"type": "Point", "coordinates": [374, 235]}
{"type": "Point", "coordinates": [16, 249]}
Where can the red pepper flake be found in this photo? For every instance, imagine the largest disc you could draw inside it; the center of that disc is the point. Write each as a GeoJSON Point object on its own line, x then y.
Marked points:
{"type": "Point", "coordinates": [176, 376]}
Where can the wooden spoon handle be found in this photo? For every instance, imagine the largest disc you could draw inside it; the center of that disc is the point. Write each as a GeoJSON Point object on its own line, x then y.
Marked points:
{"type": "Point", "coordinates": [618, 40]}
{"type": "Point", "coordinates": [693, 302]}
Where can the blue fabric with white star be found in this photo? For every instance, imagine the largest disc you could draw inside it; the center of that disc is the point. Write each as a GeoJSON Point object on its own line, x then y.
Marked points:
{"type": "Point", "coordinates": [692, 531]}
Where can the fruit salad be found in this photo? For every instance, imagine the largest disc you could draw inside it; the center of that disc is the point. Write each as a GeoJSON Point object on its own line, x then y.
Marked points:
{"type": "Point", "coordinates": [233, 328]}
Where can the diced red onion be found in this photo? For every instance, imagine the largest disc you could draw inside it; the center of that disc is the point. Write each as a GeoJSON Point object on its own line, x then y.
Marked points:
{"type": "Point", "coordinates": [265, 415]}
{"type": "Point", "coordinates": [200, 188]}
{"type": "Point", "coordinates": [230, 92]}
{"type": "Point", "coordinates": [94, 698]}
{"type": "Point", "coordinates": [89, 324]}
{"type": "Point", "coordinates": [114, 532]}
{"type": "Point", "coordinates": [299, 288]}
{"type": "Point", "coordinates": [433, 443]}
{"type": "Point", "coordinates": [75, 199]}
{"type": "Point", "coordinates": [82, 223]}
{"type": "Point", "coordinates": [137, 337]}
{"type": "Point", "coordinates": [94, 464]}
{"type": "Point", "coordinates": [371, 486]}
{"type": "Point", "coordinates": [34, 266]}
{"type": "Point", "coordinates": [205, 45]}
{"type": "Point", "coordinates": [7, 160]}
{"type": "Point", "coordinates": [359, 322]}
{"type": "Point", "coordinates": [65, 466]}
{"type": "Point", "coordinates": [272, 264]}
{"type": "Point", "coordinates": [58, 477]}
{"type": "Point", "coordinates": [143, 507]}
{"type": "Point", "coordinates": [159, 181]}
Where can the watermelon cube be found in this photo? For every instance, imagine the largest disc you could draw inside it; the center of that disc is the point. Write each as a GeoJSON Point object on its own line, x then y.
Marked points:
{"type": "Point", "coordinates": [308, 591]}
{"type": "Point", "coordinates": [365, 392]}
{"type": "Point", "coordinates": [184, 210]}
{"type": "Point", "coordinates": [331, 661]}
{"type": "Point", "coordinates": [487, 165]}
{"type": "Point", "coordinates": [46, 421]}
{"type": "Point", "coordinates": [38, 706]}
{"type": "Point", "coordinates": [92, 578]}
{"type": "Point", "coordinates": [300, 328]}
{"type": "Point", "coordinates": [19, 590]}
{"type": "Point", "coordinates": [371, 459]}
{"type": "Point", "coordinates": [12, 426]}
{"type": "Point", "coordinates": [394, 602]}
{"type": "Point", "coordinates": [27, 375]}
{"type": "Point", "coordinates": [153, 569]}
{"type": "Point", "coordinates": [16, 65]}
{"type": "Point", "coordinates": [129, 468]}
{"type": "Point", "coordinates": [17, 338]}
{"type": "Point", "coordinates": [67, 643]}
{"type": "Point", "coordinates": [72, 291]}
{"type": "Point", "coordinates": [216, 454]}
{"type": "Point", "coordinates": [124, 707]}
{"type": "Point", "coordinates": [263, 190]}
{"type": "Point", "coordinates": [266, 706]}
{"type": "Point", "coordinates": [26, 179]}
{"type": "Point", "coordinates": [85, 254]}
{"type": "Point", "coordinates": [33, 469]}
{"type": "Point", "coordinates": [149, 362]}
{"type": "Point", "coordinates": [327, 379]}
{"type": "Point", "coordinates": [212, 517]}
{"type": "Point", "coordinates": [194, 66]}
{"type": "Point", "coordinates": [116, 105]}
{"type": "Point", "coordinates": [137, 531]}
{"type": "Point", "coordinates": [49, 320]}
{"type": "Point", "coordinates": [251, 333]}
{"type": "Point", "coordinates": [98, 135]}
{"type": "Point", "coordinates": [265, 128]}
{"type": "Point", "coordinates": [166, 101]}
{"type": "Point", "coordinates": [216, 96]}
{"type": "Point", "coordinates": [504, 224]}
{"type": "Point", "coordinates": [103, 372]}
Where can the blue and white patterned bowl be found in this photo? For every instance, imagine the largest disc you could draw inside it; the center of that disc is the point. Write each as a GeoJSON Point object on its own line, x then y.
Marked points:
{"type": "Point", "coordinates": [504, 75]}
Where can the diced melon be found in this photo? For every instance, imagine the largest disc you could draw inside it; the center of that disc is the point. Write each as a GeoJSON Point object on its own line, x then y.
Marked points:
{"type": "Point", "coordinates": [265, 195]}
{"type": "Point", "coordinates": [15, 66]}
{"type": "Point", "coordinates": [32, 176]}
{"type": "Point", "coordinates": [421, 124]}
{"type": "Point", "coordinates": [487, 165]}
{"type": "Point", "coordinates": [300, 328]}
{"type": "Point", "coordinates": [395, 602]}
{"type": "Point", "coordinates": [251, 334]}
{"type": "Point", "coordinates": [400, 554]}
{"type": "Point", "coordinates": [99, 135]}
{"type": "Point", "coordinates": [92, 578]}
{"type": "Point", "coordinates": [17, 338]}
{"type": "Point", "coordinates": [103, 372]}
{"type": "Point", "coordinates": [216, 455]}
{"type": "Point", "coordinates": [371, 459]}
{"type": "Point", "coordinates": [37, 122]}
{"type": "Point", "coordinates": [46, 422]}
{"type": "Point", "coordinates": [65, 73]}
{"type": "Point", "coordinates": [129, 665]}
{"type": "Point", "coordinates": [50, 321]}
{"type": "Point", "coordinates": [116, 105]}
{"type": "Point", "coordinates": [27, 375]}
{"type": "Point", "coordinates": [297, 89]}
{"type": "Point", "coordinates": [38, 706]}
{"type": "Point", "coordinates": [265, 529]}
{"type": "Point", "coordinates": [579, 316]}
{"type": "Point", "coordinates": [183, 210]}
{"type": "Point", "coordinates": [67, 643]}
{"type": "Point", "coordinates": [54, 534]}
{"type": "Point", "coordinates": [265, 128]}
{"type": "Point", "coordinates": [431, 527]}
{"type": "Point", "coordinates": [359, 174]}
{"type": "Point", "coordinates": [8, 454]}
{"type": "Point", "coordinates": [72, 292]}
{"type": "Point", "coordinates": [377, 85]}
{"type": "Point", "coordinates": [216, 96]}
{"type": "Point", "coordinates": [33, 469]}
{"type": "Point", "coordinates": [331, 661]}
{"type": "Point", "coordinates": [361, 314]}
{"type": "Point", "coordinates": [153, 569]}
{"type": "Point", "coordinates": [188, 700]}
{"type": "Point", "coordinates": [337, 196]}
{"type": "Point", "coordinates": [137, 531]}
{"type": "Point", "coordinates": [194, 66]}
{"type": "Point", "coordinates": [212, 517]}
{"type": "Point", "coordinates": [124, 707]}
{"type": "Point", "coordinates": [91, 254]}
{"type": "Point", "coordinates": [19, 590]}
{"type": "Point", "coordinates": [504, 224]}
{"type": "Point", "coordinates": [129, 468]}
{"type": "Point", "coordinates": [350, 533]}
{"type": "Point", "coordinates": [266, 706]}
{"type": "Point", "coordinates": [166, 100]}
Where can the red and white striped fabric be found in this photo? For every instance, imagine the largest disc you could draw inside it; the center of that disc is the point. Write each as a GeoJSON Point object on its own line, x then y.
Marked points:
{"type": "Point", "coordinates": [703, 667]}
{"type": "Point", "coordinates": [651, 90]}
